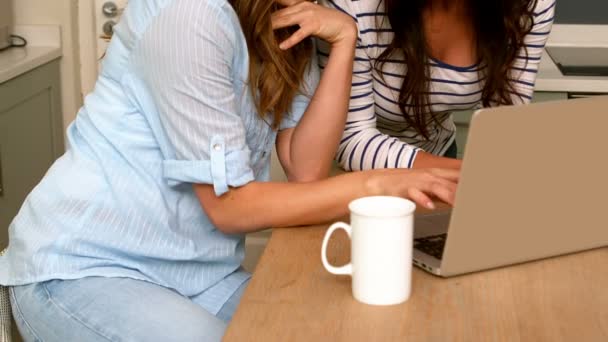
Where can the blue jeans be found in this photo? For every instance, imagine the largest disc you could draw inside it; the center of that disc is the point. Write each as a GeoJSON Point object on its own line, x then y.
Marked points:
{"type": "Point", "coordinates": [114, 309]}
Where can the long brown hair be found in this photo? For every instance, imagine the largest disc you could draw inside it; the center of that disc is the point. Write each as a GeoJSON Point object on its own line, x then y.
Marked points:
{"type": "Point", "coordinates": [500, 27]}
{"type": "Point", "coordinates": [275, 76]}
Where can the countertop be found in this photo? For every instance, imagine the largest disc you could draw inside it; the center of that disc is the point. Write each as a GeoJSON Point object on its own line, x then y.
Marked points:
{"type": "Point", "coordinates": [551, 79]}
{"type": "Point", "coordinates": [44, 45]}
{"type": "Point", "coordinates": [292, 298]}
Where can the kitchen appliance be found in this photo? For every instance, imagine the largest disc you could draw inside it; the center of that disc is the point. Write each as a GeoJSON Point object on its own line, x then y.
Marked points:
{"type": "Point", "coordinates": [580, 61]}
{"type": "Point", "coordinates": [578, 43]}
{"type": "Point", "coordinates": [6, 22]}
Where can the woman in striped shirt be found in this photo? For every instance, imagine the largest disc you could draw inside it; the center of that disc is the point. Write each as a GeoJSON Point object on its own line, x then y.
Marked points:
{"type": "Point", "coordinates": [137, 232]}
{"type": "Point", "coordinates": [418, 61]}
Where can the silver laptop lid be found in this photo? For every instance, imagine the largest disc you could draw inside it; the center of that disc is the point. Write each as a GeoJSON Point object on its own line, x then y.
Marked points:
{"type": "Point", "coordinates": [534, 184]}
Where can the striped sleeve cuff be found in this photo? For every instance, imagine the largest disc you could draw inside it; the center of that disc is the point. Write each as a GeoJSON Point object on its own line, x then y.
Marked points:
{"type": "Point", "coordinates": [408, 156]}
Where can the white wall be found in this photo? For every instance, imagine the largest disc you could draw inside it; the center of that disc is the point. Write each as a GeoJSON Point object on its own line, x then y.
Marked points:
{"type": "Point", "coordinates": [65, 14]}
{"type": "Point", "coordinates": [89, 59]}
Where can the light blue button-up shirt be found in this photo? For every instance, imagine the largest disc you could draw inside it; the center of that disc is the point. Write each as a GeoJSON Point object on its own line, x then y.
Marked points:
{"type": "Point", "coordinates": [171, 108]}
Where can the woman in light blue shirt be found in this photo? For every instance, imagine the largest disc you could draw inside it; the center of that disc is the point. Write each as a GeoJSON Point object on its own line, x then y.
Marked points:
{"type": "Point", "coordinates": [136, 233]}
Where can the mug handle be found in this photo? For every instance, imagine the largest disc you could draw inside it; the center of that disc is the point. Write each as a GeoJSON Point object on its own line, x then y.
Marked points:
{"type": "Point", "coordinates": [343, 270]}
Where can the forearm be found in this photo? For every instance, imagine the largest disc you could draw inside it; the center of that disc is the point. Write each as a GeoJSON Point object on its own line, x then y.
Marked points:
{"type": "Point", "coordinates": [367, 148]}
{"type": "Point", "coordinates": [426, 160]}
{"type": "Point", "coordinates": [315, 140]}
{"type": "Point", "coordinates": [258, 205]}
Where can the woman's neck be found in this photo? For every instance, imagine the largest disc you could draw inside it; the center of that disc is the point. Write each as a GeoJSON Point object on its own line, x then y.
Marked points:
{"type": "Point", "coordinates": [449, 7]}
{"type": "Point", "coordinates": [449, 32]}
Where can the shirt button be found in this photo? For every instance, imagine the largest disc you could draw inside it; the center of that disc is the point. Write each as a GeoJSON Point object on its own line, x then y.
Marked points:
{"type": "Point", "coordinates": [217, 147]}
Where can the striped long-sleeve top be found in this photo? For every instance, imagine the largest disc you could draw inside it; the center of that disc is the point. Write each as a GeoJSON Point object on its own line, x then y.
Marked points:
{"type": "Point", "coordinates": [376, 133]}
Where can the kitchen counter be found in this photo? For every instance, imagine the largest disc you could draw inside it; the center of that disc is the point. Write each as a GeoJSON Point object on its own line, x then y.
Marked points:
{"type": "Point", "coordinates": [550, 79]}
{"type": "Point", "coordinates": [44, 45]}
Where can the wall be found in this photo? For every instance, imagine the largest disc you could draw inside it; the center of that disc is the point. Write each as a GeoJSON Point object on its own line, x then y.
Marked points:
{"type": "Point", "coordinates": [65, 14]}
{"type": "Point", "coordinates": [89, 60]}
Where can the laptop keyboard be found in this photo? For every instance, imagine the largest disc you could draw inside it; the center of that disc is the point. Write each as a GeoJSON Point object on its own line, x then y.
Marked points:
{"type": "Point", "coordinates": [431, 245]}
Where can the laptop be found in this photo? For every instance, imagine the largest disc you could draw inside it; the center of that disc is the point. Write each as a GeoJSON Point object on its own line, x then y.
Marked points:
{"type": "Point", "coordinates": [534, 184]}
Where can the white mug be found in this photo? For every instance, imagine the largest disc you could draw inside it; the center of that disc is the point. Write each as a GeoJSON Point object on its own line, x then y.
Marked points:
{"type": "Point", "coordinates": [381, 234]}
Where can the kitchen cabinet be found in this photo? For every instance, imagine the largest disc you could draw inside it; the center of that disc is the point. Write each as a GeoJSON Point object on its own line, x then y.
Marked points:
{"type": "Point", "coordinates": [31, 136]}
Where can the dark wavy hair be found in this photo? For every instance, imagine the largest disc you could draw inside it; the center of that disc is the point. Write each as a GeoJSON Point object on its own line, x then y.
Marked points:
{"type": "Point", "coordinates": [500, 27]}
{"type": "Point", "coordinates": [275, 76]}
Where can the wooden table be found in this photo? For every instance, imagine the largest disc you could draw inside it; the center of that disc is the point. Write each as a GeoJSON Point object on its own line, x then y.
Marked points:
{"type": "Point", "coordinates": [292, 298]}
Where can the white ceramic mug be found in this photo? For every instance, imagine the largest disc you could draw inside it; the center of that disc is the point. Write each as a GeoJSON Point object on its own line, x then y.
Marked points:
{"type": "Point", "coordinates": [381, 233]}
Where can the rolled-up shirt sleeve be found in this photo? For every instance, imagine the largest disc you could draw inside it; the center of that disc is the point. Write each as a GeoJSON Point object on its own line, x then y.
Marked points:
{"type": "Point", "coordinates": [186, 62]}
